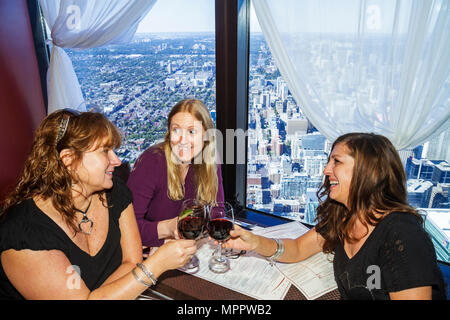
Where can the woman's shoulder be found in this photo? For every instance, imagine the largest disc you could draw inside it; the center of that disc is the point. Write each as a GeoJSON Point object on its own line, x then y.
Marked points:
{"type": "Point", "coordinates": [401, 220]}
{"type": "Point", "coordinates": [119, 195]}
{"type": "Point", "coordinates": [21, 212]}
{"type": "Point", "coordinates": [407, 256]}
{"type": "Point", "coordinates": [151, 156]}
{"type": "Point", "coordinates": [403, 227]}
{"type": "Point", "coordinates": [119, 187]}
{"type": "Point", "coordinates": [399, 224]}
{"type": "Point", "coordinates": [25, 227]}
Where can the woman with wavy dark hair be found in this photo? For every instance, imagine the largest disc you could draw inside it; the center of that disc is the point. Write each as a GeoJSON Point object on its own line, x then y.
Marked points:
{"type": "Point", "coordinates": [68, 229]}
{"type": "Point", "coordinates": [364, 219]}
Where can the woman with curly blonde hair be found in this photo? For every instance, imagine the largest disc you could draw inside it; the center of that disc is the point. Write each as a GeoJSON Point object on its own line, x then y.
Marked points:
{"type": "Point", "coordinates": [184, 166]}
{"type": "Point", "coordinates": [68, 230]}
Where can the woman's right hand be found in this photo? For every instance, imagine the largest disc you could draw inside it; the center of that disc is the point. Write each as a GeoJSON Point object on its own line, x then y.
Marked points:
{"type": "Point", "coordinates": [241, 239]}
{"type": "Point", "coordinates": [172, 254]}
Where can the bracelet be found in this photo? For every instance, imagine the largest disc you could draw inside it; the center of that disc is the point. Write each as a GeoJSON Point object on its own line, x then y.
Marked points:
{"type": "Point", "coordinates": [139, 279]}
{"type": "Point", "coordinates": [278, 253]}
{"type": "Point", "coordinates": [148, 273]}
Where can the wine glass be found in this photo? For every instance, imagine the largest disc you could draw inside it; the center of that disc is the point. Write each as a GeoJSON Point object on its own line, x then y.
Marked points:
{"type": "Point", "coordinates": [191, 224]}
{"type": "Point", "coordinates": [220, 223]}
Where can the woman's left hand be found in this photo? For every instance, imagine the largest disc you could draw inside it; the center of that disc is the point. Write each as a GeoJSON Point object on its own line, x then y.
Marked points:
{"type": "Point", "coordinates": [167, 229]}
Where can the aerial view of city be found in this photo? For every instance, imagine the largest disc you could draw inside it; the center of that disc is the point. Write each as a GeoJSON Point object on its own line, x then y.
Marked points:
{"type": "Point", "coordinates": [137, 84]}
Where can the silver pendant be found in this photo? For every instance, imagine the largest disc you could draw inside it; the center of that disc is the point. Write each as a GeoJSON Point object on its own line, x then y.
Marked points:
{"type": "Point", "coordinates": [85, 220]}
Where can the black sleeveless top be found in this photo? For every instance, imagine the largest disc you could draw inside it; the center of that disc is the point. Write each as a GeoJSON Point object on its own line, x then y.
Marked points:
{"type": "Point", "coordinates": [27, 227]}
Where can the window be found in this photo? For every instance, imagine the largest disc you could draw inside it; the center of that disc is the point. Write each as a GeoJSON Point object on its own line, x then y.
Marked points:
{"type": "Point", "coordinates": [286, 154]}
{"type": "Point", "coordinates": [136, 84]}
{"type": "Point", "coordinates": [171, 57]}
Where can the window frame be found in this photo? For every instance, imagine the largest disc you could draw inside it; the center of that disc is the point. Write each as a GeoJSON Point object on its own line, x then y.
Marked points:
{"type": "Point", "coordinates": [232, 71]}
{"type": "Point", "coordinates": [37, 23]}
{"type": "Point", "coordinates": [232, 36]}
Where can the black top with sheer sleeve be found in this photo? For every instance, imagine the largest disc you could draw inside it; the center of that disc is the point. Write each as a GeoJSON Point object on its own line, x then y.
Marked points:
{"type": "Point", "coordinates": [397, 255]}
{"type": "Point", "coordinates": [26, 227]}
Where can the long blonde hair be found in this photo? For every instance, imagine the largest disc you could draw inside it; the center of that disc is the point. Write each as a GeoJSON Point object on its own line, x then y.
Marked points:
{"type": "Point", "coordinates": [205, 164]}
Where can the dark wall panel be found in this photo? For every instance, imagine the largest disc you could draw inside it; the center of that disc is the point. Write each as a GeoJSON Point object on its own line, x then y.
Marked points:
{"type": "Point", "coordinates": [21, 102]}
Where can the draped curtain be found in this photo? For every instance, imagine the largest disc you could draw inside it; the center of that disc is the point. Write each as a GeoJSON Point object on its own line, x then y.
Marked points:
{"type": "Point", "coordinates": [84, 24]}
{"type": "Point", "coordinates": [378, 66]}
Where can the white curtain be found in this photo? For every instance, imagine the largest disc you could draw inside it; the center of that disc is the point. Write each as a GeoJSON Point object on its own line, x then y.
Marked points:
{"type": "Point", "coordinates": [84, 24]}
{"type": "Point", "coordinates": [378, 66]}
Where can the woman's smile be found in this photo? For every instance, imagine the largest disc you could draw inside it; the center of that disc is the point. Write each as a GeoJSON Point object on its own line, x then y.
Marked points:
{"type": "Point", "coordinates": [339, 171]}
{"type": "Point", "coordinates": [186, 136]}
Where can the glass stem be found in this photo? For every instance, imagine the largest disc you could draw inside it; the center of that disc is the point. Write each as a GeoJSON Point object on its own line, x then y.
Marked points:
{"type": "Point", "coordinates": [220, 251]}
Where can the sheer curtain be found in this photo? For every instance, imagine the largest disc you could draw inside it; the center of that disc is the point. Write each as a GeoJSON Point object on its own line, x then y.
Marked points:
{"type": "Point", "coordinates": [84, 24]}
{"type": "Point", "coordinates": [378, 66]}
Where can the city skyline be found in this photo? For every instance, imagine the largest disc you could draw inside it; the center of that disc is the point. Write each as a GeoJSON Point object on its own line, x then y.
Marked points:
{"type": "Point", "coordinates": [136, 85]}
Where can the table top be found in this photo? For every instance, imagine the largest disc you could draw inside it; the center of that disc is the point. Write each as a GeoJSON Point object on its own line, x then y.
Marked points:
{"type": "Point", "coordinates": [179, 285]}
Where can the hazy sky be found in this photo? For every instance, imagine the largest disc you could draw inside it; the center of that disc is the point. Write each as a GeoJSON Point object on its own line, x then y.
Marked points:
{"type": "Point", "coordinates": [312, 15]}
{"type": "Point", "coordinates": [182, 16]}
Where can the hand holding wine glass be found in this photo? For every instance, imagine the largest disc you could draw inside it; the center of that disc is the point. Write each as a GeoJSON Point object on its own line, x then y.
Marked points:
{"type": "Point", "coordinates": [191, 222]}
{"type": "Point", "coordinates": [220, 223]}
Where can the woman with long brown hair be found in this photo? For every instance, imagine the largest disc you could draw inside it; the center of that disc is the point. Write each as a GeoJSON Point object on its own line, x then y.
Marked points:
{"type": "Point", "coordinates": [68, 230]}
{"type": "Point", "coordinates": [364, 219]}
{"type": "Point", "coordinates": [184, 166]}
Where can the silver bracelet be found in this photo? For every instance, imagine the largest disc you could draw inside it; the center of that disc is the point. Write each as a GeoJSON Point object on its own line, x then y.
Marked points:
{"type": "Point", "coordinates": [147, 272]}
{"type": "Point", "coordinates": [278, 253]}
{"type": "Point", "coordinates": [136, 276]}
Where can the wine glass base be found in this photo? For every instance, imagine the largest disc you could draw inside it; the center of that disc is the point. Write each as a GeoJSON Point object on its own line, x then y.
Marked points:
{"type": "Point", "coordinates": [191, 266]}
{"type": "Point", "coordinates": [219, 265]}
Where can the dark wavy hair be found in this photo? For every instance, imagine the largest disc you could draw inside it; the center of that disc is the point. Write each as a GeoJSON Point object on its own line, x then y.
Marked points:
{"type": "Point", "coordinates": [44, 173]}
{"type": "Point", "coordinates": [377, 188]}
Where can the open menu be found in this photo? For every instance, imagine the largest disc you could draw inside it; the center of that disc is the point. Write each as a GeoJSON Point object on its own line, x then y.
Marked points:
{"type": "Point", "coordinates": [250, 274]}
{"type": "Point", "coordinates": [314, 276]}
{"type": "Point", "coordinates": [253, 275]}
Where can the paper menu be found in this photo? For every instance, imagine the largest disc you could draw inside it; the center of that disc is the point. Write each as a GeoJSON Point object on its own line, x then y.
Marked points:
{"type": "Point", "coordinates": [250, 274]}
{"type": "Point", "coordinates": [314, 276]}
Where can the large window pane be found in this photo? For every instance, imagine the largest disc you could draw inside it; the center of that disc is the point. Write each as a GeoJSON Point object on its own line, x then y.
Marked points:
{"type": "Point", "coordinates": [287, 154]}
{"type": "Point", "coordinates": [171, 57]}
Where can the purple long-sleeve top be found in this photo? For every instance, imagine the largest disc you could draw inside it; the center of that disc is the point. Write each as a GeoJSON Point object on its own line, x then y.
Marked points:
{"type": "Point", "coordinates": [148, 183]}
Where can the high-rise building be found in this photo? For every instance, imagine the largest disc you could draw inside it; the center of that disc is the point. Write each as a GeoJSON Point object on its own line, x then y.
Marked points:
{"type": "Point", "coordinates": [441, 173]}
{"type": "Point", "coordinates": [439, 197]}
{"type": "Point", "coordinates": [314, 141]}
{"type": "Point", "coordinates": [293, 186]}
{"type": "Point", "coordinates": [297, 126]}
{"type": "Point", "coordinates": [420, 169]}
{"type": "Point", "coordinates": [315, 165]}
{"type": "Point", "coordinates": [419, 192]}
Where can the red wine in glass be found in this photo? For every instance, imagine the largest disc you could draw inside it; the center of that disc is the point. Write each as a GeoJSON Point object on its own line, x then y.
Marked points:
{"type": "Point", "coordinates": [191, 227]}
{"type": "Point", "coordinates": [191, 224]}
{"type": "Point", "coordinates": [219, 229]}
{"type": "Point", "coordinates": [220, 223]}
